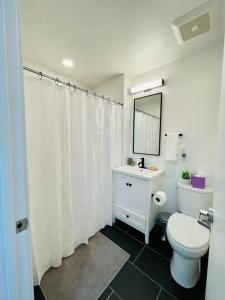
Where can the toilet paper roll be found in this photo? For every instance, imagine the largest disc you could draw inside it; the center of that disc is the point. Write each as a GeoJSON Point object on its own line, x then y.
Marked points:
{"type": "Point", "coordinates": [159, 198]}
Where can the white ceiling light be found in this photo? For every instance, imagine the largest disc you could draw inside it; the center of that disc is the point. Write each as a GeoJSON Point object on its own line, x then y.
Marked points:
{"type": "Point", "coordinates": [68, 63]}
{"type": "Point", "coordinates": [147, 86]}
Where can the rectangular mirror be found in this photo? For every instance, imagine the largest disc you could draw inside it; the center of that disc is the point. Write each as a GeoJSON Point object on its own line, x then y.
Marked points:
{"type": "Point", "coordinates": [147, 124]}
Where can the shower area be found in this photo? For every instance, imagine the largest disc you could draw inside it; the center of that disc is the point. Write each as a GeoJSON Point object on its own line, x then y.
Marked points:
{"type": "Point", "coordinates": [74, 138]}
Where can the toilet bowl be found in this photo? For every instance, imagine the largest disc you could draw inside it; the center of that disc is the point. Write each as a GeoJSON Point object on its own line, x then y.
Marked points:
{"type": "Point", "coordinates": [190, 241]}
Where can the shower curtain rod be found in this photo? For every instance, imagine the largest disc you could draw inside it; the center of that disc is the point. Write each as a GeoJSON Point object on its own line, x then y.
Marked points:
{"type": "Point", "coordinates": [68, 84]}
{"type": "Point", "coordinates": [145, 113]}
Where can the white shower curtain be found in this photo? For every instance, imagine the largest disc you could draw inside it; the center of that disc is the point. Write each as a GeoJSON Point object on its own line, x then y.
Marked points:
{"type": "Point", "coordinates": [146, 133]}
{"type": "Point", "coordinates": [73, 141]}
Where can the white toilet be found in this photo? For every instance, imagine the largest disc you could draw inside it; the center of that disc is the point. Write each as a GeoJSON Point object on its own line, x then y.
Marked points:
{"type": "Point", "coordinates": [189, 239]}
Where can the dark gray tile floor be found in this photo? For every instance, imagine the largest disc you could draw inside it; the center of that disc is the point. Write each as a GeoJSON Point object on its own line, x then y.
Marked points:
{"type": "Point", "coordinates": [130, 245]}
{"type": "Point", "coordinates": [130, 283]}
{"type": "Point", "coordinates": [114, 297]}
{"type": "Point", "coordinates": [147, 274]}
{"type": "Point", "coordinates": [108, 291]}
{"type": "Point", "coordinates": [38, 295]}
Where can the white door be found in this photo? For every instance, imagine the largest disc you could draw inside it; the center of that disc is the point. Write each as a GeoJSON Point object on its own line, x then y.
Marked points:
{"type": "Point", "coordinates": [215, 288]}
{"type": "Point", "coordinates": [138, 196]}
{"type": "Point", "coordinates": [121, 190]}
{"type": "Point", "coordinates": [15, 250]}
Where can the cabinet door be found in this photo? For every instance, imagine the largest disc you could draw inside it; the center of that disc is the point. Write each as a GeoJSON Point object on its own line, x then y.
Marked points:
{"type": "Point", "coordinates": [138, 196]}
{"type": "Point", "coordinates": [121, 190]}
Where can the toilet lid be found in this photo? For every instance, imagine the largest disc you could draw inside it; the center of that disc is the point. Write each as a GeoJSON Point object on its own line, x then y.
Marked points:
{"type": "Point", "coordinates": [187, 231]}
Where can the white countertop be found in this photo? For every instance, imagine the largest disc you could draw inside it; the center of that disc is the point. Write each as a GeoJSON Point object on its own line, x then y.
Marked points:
{"type": "Point", "coordinates": [137, 172]}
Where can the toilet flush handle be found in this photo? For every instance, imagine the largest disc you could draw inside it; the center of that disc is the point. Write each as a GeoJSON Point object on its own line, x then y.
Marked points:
{"type": "Point", "coordinates": [205, 217]}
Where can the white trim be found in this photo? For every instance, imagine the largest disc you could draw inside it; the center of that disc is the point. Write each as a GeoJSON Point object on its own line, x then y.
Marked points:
{"type": "Point", "coordinates": [15, 249]}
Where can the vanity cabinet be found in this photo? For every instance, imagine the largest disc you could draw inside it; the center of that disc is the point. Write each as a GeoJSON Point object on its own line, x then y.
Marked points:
{"type": "Point", "coordinates": [132, 198]}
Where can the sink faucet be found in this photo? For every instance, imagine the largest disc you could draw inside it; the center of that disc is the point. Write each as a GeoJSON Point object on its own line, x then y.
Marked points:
{"type": "Point", "coordinates": [141, 164]}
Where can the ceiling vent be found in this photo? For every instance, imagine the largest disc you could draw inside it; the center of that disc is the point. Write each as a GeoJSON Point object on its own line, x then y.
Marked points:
{"type": "Point", "coordinates": [194, 23]}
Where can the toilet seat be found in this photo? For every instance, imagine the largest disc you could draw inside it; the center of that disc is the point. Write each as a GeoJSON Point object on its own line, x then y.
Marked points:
{"type": "Point", "coordinates": [187, 236]}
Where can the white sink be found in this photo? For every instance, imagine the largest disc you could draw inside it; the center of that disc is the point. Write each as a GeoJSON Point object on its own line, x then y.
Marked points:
{"type": "Point", "coordinates": [138, 172]}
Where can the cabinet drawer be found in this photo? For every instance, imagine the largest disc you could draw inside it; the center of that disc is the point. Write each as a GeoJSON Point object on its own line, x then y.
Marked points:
{"type": "Point", "coordinates": [129, 217]}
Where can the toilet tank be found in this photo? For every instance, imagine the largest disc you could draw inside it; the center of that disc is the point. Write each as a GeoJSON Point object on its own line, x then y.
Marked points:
{"type": "Point", "coordinates": [190, 200]}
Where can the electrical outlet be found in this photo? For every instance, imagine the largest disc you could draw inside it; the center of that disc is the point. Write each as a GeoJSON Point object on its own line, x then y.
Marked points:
{"type": "Point", "coordinates": [183, 154]}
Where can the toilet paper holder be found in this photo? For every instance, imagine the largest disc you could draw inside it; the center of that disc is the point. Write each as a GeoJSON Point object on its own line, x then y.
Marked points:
{"type": "Point", "coordinates": [157, 199]}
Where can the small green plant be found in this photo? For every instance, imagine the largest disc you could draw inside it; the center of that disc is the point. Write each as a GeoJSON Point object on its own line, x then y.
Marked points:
{"type": "Point", "coordinates": [185, 174]}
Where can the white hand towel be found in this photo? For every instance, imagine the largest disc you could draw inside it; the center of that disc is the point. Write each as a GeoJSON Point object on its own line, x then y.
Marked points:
{"type": "Point", "coordinates": [172, 146]}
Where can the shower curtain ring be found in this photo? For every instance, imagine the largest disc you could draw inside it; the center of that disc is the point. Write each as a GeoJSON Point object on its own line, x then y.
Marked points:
{"type": "Point", "coordinates": [75, 88]}
{"type": "Point", "coordinates": [68, 84]}
{"type": "Point", "coordinates": [57, 81]}
{"type": "Point", "coordinates": [40, 75]}
{"type": "Point", "coordinates": [86, 91]}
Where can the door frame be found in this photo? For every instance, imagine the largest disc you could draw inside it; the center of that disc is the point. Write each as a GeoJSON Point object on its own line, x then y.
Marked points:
{"type": "Point", "coordinates": [16, 280]}
{"type": "Point", "coordinates": [215, 287]}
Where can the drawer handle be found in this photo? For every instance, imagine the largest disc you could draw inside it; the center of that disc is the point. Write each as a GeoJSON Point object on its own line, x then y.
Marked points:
{"type": "Point", "coordinates": [127, 216]}
{"type": "Point", "coordinates": [130, 184]}
{"type": "Point", "coordinates": [127, 183]}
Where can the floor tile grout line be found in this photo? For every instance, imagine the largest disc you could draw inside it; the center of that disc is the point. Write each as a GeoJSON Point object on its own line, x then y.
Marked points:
{"type": "Point", "coordinates": [133, 263]}
{"type": "Point", "coordinates": [122, 230]}
{"type": "Point", "coordinates": [154, 251]}
{"type": "Point", "coordinates": [110, 294]}
{"type": "Point", "coordinates": [163, 256]}
{"type": "Point", "coordinates": [157, 298]}
{"type": "Point", "coordinates": [169, 293]}
{"type": "Point", "coordinates": [147, 245]}
{"type": "Point", "coordinates": [127, 233]}
{"type": "Point", "coordinates": [115, 292]}
{"type": "Point", "coordinates": [130, 235]}
{"type": "Point", "coordinates": [138, 254]}
{"type": "Point", "coordinates": [158, 284]}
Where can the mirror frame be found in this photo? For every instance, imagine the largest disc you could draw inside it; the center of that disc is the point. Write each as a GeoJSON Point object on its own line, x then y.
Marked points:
{"type": "Point", "coordinates": [160, 125]}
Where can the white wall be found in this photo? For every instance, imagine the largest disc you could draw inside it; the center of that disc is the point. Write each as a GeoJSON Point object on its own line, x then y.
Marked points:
{"type": "Point", "coordinates": [190, 106]}
{"type": "Point", "coordinates": [113, 88]}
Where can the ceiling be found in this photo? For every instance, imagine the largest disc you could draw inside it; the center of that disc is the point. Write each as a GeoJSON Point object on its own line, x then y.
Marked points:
{"type": "Point", "coordinates": [108, 37]}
